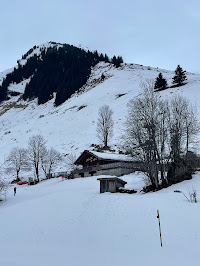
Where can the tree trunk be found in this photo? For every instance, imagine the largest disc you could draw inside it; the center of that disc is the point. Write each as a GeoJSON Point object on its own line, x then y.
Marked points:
{"type": "Point", "coordinates": [18, 174]}
{"type": "Point", "coordinates": [37, 173]}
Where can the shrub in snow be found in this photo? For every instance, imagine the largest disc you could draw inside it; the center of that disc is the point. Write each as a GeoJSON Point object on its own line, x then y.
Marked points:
{"type": "Point", "coordinates": [3, 187]}
{"type": "Point", "coordinates": [191, 197]}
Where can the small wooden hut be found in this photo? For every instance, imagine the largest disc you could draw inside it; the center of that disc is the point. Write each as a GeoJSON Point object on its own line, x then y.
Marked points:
{"type": "Point", "coordinates": [111, 184]}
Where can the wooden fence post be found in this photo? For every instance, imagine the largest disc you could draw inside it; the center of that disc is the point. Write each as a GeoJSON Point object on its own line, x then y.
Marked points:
{"type": "Point", "coordinates": [158, 216]}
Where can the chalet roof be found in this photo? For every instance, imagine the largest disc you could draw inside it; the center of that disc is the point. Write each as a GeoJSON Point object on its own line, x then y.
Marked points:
{"type": "Point", "coordinates": [112, 156]}
{"type": "Point", "coordinates": [112, 179]}
{"type": "Point", "coordinates": [105, 156]}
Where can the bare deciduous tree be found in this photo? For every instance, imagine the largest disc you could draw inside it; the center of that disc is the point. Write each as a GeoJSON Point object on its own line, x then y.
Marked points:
{"type": "Point", "coordinates": [176, 126]}
{"type": "Point", "coordinates": [158, 131]}
{"type": "Point", "coordinates": [192, 126]}
{"type": "Point", "coordinates": [44, 160]}
{"type": "Point", "coordinates": [36, 146]}
{"type": "Point", "coordinates": [143, 132]}
{"type": "Point", "coordinates": [17, 160]}
{"type": "Point", "coordinates": [71, 158]}
{"type": "Point", "coordinates": [183, 125]}
{"type": "Point", "coordinates": [105, 125]}
{"type": "Point", "coordinates": [49, 159]}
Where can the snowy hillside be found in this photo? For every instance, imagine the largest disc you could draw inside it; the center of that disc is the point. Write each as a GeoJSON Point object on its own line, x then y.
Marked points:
{"type": "Point", "coordinates": [69, 222]}
{"type": "Point", "coordinates": [71, 127]}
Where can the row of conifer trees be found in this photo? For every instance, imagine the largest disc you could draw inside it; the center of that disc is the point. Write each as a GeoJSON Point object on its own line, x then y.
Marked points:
{"type": "Point", "coordinates": [178, 79]}
{"type": "Point", "coordinates": [62, 70]}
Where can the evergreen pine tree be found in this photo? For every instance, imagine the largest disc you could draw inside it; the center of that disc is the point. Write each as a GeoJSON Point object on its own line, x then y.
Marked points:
{"type": "Point", "coordinates": [179, 76]}
{"type": "Point", "coordinates": [106, 59]}
{"type": "Point", "coordinates": [160, 83]}
{"type": "Point", "coordinates": [3, 93]}
{"type": "Point", "coordinates": [101, 57]}
{"type": "Point", "coordinates": [117, 61]}
{"type": "Point", "coordinates": [114, 60]}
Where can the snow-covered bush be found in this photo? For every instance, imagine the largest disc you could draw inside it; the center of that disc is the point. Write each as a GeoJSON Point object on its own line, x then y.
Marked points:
{"type": "Point", "coordinates": [3, 187]}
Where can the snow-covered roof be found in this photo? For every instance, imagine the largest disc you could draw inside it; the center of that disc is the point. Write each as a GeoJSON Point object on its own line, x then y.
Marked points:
{"type": "Point", "coordinates": [103, 156]}
{"type": "Point", "coordinates": [112, 156]}
{"type": "Point", "coordinates": [112, 179]}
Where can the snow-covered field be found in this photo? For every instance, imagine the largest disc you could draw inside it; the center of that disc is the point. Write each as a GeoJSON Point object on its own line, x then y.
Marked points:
{"type": "Point", "coordinates": [70, 223]}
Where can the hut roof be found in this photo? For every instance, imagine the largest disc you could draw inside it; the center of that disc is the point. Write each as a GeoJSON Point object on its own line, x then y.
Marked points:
{"type": "Point", "coordinates": [112, 179]}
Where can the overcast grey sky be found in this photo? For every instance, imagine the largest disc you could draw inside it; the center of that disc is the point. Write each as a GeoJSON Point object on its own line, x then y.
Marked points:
{"type": "Point", "coordinates": [150, 32]}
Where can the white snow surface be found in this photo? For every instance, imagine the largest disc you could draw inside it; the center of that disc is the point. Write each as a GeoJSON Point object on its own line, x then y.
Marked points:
{"type": "Point", "coordinates": [71, 127]}
{"type": "Point", "coordinates": [70, 223]}
{"type": "Point", "coordinates": [113, 156]}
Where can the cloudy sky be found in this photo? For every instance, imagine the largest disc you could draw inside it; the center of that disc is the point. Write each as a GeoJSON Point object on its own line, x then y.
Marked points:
{"type": "Point", "coordinates": [159, 33]}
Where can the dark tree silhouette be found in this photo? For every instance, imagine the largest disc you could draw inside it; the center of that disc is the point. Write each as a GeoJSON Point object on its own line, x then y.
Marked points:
{"type": "Point", "coordinates": [3, 91]}
{"type": "Point", "coordinates": [160, 83]}
{"type": "Point", "coordinates": [117, 61]}
{"type": "Point", "coordinates": [62, 70]}
{"type": "Point", "coordinates": [179, 76]}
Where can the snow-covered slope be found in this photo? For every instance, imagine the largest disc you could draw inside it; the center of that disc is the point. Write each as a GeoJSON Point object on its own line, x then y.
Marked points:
{"type": "Point", "coordinates": [71, 127]}
{"type": "Point", "coordinates": [68, 222]}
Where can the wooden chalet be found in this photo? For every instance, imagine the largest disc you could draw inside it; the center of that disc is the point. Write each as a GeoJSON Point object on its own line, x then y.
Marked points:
{"type": "Point", "coordinates": [104, 163]}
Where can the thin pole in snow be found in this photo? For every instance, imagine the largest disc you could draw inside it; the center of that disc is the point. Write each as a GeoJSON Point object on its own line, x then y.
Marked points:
{"type": "Point", "coordinates": [158, 216]}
